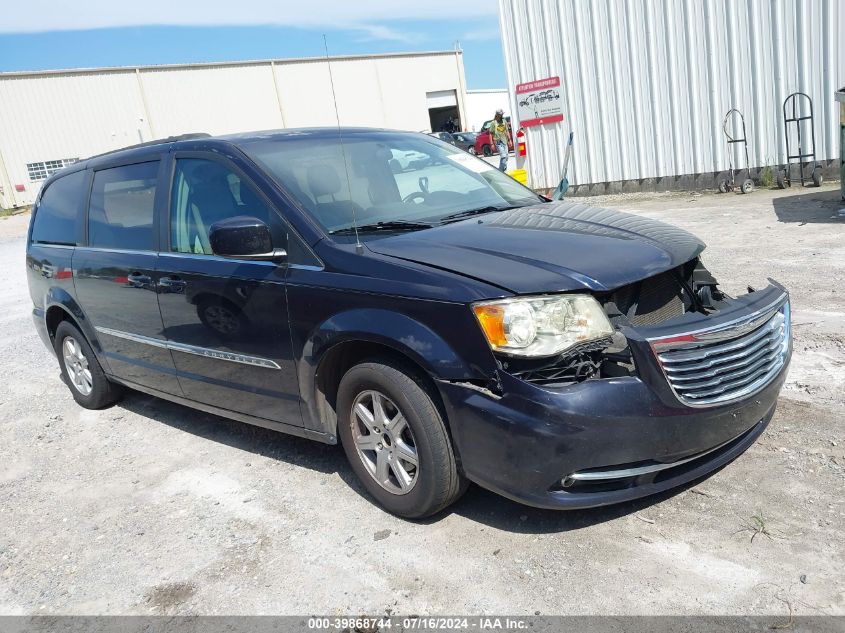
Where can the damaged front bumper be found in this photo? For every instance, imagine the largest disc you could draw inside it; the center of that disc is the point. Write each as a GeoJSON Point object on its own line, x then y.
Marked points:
{"type": "Point", "coordinates": [607, 440]}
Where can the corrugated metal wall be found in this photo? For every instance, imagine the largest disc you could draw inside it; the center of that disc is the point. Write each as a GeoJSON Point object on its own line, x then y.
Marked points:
{"type": "Point", "coordinates": [73, 114]}
{"type": "Point", "coordinates": [646, 83]}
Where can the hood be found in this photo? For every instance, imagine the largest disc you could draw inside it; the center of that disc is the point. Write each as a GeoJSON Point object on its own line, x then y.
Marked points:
{"type": "Point", "coordinates": [551, 247]}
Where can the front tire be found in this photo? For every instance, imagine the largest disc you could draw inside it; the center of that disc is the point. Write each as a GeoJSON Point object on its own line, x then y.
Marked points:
{"type": "Point", "coordinates": [81, 370]}
{"type": "Point", "coordinates": [396, 440]}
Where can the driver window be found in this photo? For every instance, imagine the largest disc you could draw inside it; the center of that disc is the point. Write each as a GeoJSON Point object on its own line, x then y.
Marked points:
{"type": "Point", "coordinates": [205, 192]}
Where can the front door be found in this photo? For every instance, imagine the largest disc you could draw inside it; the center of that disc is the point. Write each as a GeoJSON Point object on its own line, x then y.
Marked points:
{"type": "Point", "coordinates": [116, 275]}
{"type": "Point", "coordinates": [226, 320]}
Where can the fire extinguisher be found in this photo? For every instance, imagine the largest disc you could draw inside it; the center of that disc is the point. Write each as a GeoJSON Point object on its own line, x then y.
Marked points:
{"type": "Point", "coordinates": [521, 149]}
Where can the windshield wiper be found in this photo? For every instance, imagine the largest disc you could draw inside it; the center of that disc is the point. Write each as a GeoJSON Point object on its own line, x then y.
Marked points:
{"type": "Point", "coordinates": [460, 215]}
{"type": "Point", "coordinates": [389, 225]}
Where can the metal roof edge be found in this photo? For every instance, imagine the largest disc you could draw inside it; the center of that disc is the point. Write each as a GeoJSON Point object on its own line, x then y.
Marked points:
{"type": "Point", "coordinates": [231, 63]}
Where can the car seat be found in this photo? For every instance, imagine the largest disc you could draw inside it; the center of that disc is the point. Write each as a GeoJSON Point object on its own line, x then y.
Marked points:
{"type": "Point", "coordinates": [323, 181]}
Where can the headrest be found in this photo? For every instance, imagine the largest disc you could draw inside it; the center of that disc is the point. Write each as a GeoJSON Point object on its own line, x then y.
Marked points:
{"type": "Point", "coordinates": [206, 172]}
{"type": "Point", "coordinates": [323, 180]}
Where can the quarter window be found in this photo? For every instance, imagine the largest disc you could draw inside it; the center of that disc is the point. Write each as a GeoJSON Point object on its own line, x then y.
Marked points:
{"type": "Point", "coordinates": [205, 192]}
{"type": "Point", "coordinates": [123, 207]}
{"type": "Point", "coordinates": [57, 214]}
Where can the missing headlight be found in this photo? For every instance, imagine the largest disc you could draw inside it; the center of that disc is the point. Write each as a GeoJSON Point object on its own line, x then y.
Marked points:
{"type": "Point", "coordinates": [576, 365]}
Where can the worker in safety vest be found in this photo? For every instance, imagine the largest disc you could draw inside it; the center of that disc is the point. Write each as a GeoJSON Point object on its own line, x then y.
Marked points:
{"type": "Point", "coordinates": [500, 134]}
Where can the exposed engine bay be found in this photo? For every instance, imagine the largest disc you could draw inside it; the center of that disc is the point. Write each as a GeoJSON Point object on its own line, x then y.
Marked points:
{"type": "Point", "coordinates": [689, 288]}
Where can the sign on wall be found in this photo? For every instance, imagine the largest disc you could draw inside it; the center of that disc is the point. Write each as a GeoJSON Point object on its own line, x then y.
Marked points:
{"type": "Point", "coordinates": [539, 102]}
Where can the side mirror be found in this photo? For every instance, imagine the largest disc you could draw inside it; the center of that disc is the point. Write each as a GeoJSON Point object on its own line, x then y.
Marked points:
{"type": "Point", "coordinates": [244, 237]}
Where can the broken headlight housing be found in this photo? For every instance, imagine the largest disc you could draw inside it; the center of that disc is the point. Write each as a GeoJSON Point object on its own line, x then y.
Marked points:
{"type": "Point", "coordinates": [542, 325]}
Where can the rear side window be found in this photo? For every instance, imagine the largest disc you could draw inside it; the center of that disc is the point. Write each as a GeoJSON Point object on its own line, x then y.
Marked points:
{"type": "Point", "coordinates": [57, 216]}
{"type": "Point", "coordinates": [123, 207]}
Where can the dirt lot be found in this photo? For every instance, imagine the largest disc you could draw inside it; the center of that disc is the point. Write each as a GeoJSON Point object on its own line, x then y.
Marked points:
{"type": "Point", "coordinates": [150, 507]}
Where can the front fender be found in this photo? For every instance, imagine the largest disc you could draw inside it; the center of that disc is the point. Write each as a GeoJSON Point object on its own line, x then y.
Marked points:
{"type": "Point", "coordinates": [394, 330]}
{"type": "Point", "coordinates": [399, 331]}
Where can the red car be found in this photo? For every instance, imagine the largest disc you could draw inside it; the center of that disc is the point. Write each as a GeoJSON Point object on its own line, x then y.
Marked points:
{"type": "Point", "coordinates": [484, 142]}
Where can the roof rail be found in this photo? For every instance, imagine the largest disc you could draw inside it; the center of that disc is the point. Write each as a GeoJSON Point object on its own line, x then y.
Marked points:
{"type": "Point", "coordinates": [160, 141]}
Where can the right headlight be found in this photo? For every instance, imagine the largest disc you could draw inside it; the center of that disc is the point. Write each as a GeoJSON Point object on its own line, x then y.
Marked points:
{"type": "Point", "coordinates": [542, 325]}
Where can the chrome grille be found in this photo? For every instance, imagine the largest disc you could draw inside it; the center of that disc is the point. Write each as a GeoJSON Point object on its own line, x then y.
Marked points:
{"type": "Point", "coordinates": [714, 367]}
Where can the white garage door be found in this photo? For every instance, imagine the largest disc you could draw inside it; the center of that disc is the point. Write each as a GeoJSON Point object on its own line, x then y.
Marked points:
{"type": "Point", "coordinates": [441, 99]}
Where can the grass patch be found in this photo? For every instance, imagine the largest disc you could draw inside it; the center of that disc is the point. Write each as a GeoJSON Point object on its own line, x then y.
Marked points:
{"type": "Point", "coordinates": [767, 177]}
{"type": "Point", "coordinates": [756, 525]}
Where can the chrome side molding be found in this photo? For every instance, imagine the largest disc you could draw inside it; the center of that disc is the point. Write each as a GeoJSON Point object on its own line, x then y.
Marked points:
{"type": "Point", "coordinates": [208, 352]}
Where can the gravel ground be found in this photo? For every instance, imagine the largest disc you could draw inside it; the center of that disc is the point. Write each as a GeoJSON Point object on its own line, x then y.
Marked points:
{"type": "Point", "coordinates": [150, 507]}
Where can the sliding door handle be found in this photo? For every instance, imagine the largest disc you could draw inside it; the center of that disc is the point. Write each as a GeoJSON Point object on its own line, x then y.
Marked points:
{"type": "Point", "coordinates": [173, 284]}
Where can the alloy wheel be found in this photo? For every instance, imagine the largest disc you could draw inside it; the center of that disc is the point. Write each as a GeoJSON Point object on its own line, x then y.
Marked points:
{"type": "Point", "coordinates": [384, 442]}
{"type": "Point", "coordinates": [77, 367]}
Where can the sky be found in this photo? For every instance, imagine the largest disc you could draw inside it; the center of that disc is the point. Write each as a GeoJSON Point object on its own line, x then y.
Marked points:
{"type": "Point", "coordinates": [51, 34]}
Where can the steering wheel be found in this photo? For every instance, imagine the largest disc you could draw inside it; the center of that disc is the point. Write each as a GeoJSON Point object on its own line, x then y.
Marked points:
{"type": "Point", "coordinates": [414, 196]}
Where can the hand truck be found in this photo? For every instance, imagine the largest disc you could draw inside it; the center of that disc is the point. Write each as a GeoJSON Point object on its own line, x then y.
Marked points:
{"type": "Point", "coordinates": [730, 184]}
{"type": "Point", "coordinates": [784, 178]}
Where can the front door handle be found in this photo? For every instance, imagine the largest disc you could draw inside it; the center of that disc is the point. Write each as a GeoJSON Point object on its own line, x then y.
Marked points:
{"type": "Point", "coordinates": [139, 280]}
{"type": "Point", "coordinates": [173, 284]}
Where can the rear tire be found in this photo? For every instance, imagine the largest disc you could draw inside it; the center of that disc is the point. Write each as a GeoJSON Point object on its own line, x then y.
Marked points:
{"type": "Point", "coordinates": [747, 186]}
{"type": "Point", "coordinates": [487, 150]}
{"type": "Point", "coordinates": [723, 186]}
{"type": "Point", "coordinates": [399, 448]}
{"type": "Point", "coordinates": [818, 179]}
{"type": "Point", "coordinates": [81, 370]}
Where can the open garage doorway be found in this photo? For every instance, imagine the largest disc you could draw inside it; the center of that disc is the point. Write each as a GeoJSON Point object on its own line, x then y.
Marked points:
{"type": "Point", "coordinates": [443, 112]}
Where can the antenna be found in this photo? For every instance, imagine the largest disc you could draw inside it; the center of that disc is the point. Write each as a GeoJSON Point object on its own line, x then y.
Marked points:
{"type": "Point", "coordinates": [359, 248]}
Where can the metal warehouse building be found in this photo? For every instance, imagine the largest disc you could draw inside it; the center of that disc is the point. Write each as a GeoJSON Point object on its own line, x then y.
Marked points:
{"type": "Point", "coordinates": [50, 118]}
{"type": "Point", "coordinates": [645, 84]}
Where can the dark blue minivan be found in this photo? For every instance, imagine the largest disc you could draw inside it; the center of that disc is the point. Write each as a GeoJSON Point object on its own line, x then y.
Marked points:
{"type": "Point", "coordinates": [391, 292]}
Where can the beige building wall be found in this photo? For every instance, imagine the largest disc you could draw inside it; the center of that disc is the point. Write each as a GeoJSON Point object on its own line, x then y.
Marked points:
{"type": "Point", "coordinates": [60, 115]}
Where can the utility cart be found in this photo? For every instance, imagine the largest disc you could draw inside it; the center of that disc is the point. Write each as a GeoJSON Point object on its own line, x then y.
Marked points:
{"type": "Point", "coordinates": [730, 184]}
{"type": "Point", "coordinates": [795, 114]}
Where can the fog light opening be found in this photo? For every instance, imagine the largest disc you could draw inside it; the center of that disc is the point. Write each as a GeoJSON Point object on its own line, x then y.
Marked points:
{"type": "Point", "coordinates": [567, 481]}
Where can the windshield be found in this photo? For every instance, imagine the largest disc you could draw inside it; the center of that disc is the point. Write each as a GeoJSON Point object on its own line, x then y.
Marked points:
{"type": "Point", "coordinates": [384, 177]}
